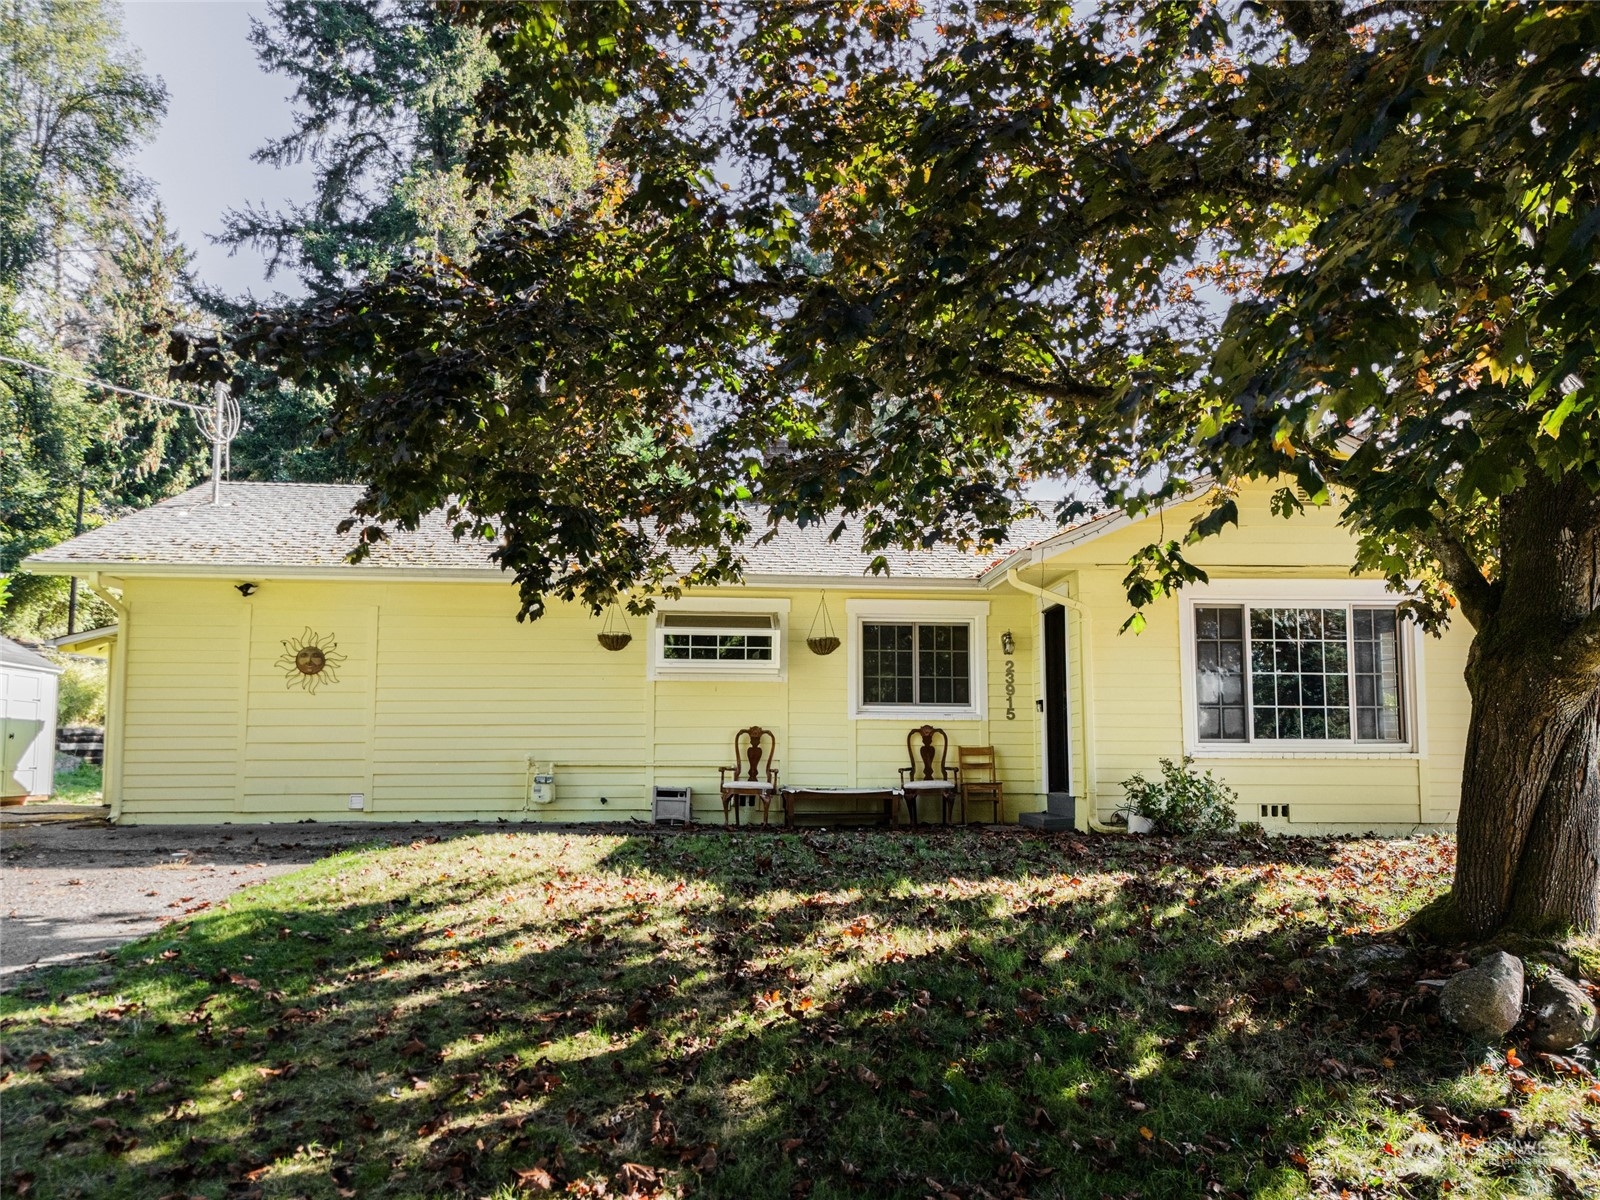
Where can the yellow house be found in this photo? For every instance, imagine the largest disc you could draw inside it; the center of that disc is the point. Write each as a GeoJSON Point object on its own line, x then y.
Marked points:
{"type": "Point", "coordinates": [257, 676]}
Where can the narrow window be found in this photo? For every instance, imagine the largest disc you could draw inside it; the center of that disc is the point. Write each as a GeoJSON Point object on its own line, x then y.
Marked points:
{"type": "Point", "coordinates": [732, 642]}
{"type": "Point", "coordinates": [916, 664]}
{"type": "Point", "coordinates": [1219, 678]}
{"type": "Point", "coordinates": [1376, 644]}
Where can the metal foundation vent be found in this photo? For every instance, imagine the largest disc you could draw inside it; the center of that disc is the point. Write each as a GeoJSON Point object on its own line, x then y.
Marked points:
{"type": "Point", "coordinates": [1281, 811]}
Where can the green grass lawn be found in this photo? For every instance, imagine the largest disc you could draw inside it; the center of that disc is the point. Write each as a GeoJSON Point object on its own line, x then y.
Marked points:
{"type": "Point", "coordinates": [78, 786]}
{"type": "Point", "coordinates": [827, 1015]}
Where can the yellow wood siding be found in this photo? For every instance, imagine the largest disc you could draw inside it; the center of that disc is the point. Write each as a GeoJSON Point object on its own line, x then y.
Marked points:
{"type": "Point", "coordinates": [444, 699]}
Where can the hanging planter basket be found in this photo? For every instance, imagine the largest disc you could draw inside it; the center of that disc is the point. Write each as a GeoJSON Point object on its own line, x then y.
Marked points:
{"type": "Point", "coordinates": [615, 635]}
{"type": "Point", "coordinates": [822, 639]}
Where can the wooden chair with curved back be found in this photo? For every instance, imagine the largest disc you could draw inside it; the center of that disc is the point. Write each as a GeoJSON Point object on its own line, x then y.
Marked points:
{"type": "Point", "coordinates": [754, 773]}
{"type": "Point", "coordinates": [930, 772]}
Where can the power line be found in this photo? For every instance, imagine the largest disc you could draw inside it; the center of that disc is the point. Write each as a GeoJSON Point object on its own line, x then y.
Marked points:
{"type": "Point", "coordinates": [99, 383]}
{"type": "Point", "coordinates": [219, 424]}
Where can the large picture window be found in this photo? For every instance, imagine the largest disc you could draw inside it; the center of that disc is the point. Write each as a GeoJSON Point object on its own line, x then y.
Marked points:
{"type": "Point", "coordinates": [1282, 673]}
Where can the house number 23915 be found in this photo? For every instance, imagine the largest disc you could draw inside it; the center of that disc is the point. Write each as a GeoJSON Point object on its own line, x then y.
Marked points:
{"type": "Point", "coordinates": [1011, 690]}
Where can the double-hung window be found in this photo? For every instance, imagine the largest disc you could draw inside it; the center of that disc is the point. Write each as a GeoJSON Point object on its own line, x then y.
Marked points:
{"type": "Point", "coordinates": [917, 659]}
{"type": "Point", "coordinates": [1280, 674]}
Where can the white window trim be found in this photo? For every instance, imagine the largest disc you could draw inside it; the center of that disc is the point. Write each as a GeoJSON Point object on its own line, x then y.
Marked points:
{"type": "Point", "coordinates": [777, 671]}
{"type": "Point", "coordinates": [1299, 593]}
{"type": "Point", "coordinates": [974, 613]}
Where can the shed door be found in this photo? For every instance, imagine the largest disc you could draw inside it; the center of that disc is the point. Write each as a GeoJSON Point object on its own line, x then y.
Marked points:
{"type": "Point", "coordinates": [24, 726]}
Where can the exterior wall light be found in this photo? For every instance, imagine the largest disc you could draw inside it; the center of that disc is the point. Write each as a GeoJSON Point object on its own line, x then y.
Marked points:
{"type": "Point", "coordinates": [247, 589]}
{"type": "Point", "coordinates": [1008, 644]}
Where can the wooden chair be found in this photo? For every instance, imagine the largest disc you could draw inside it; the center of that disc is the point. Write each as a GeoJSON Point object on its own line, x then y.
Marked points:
{"type": "Point", "coordinates": [929, 772]}
{"type": "Point", "coordinates": [980, 780]}
{"type": "Point", "coordinates": [751, 782]}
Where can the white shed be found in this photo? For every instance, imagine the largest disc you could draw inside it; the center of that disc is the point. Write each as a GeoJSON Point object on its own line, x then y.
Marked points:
{"type": "Point", "coordinates": [28, 683]}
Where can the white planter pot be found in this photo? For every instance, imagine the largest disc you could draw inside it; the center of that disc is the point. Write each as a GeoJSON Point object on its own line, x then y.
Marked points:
{"type": "Point", "coordinates": [1138, 824]}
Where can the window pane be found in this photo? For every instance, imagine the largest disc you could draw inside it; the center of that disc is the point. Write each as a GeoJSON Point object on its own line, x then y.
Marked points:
{"type": "Point", "coordinates": [1219, 673]}
{"type": "Point", "coordinates": [1299, 683]}
{"type": "Point", "coordinates": [943, 670]}
{"type": "Point", "coordinates": [1376, 637]}
{"type": "Point", "coordinates": [887, 675]}
{"type": "Point", "coordinates": [716, 647]}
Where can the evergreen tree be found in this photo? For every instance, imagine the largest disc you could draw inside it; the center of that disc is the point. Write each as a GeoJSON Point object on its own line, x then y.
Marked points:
{"type": "Point", "coordinates": [386, 112]}
{"type": "Point", "coordinates": [74, 105]}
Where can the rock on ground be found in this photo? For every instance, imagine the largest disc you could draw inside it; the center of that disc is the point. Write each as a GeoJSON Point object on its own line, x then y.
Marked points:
{"type": "Point", "coordinates": [1485, 1000]}
{"type": "Point", "coordinates": [1563, 1014]}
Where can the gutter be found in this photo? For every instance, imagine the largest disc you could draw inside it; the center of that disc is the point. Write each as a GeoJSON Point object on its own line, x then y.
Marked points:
{"type": "Point", "coordinates": [117, 700]}
{"type": "Point", "coordinates": [1086, 675]}
{"type": "Point", "coordinates": [348, 574]}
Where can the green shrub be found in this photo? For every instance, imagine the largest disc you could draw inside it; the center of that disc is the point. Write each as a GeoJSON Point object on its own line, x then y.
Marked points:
{"type": "Point", "coordinates": [82, 698]}
{"type": "Point", "coordinates": [1183, 801]}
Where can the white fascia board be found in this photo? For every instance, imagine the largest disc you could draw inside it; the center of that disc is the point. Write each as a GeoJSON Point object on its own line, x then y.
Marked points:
{"type": "Point", "coordinates": [867, 583]}
{"type": "Point", "coordinates": [258, 571]}
{"type": "Point", "coordinates": [1091, 530]}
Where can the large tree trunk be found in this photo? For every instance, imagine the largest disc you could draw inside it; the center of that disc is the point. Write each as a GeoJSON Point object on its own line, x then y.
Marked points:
{"type": "Point", "coordinates": [1528, 851]}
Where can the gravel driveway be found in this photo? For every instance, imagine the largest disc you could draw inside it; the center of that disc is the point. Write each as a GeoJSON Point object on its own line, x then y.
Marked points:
{"type": "Point", "coordinates": [69, 889]}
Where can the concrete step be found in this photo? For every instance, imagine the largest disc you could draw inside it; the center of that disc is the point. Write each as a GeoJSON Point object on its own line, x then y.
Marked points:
{"type": "Point", "coordinates": [1061, 804]}
{"type": "Point", "coordinates": [1045, 820]}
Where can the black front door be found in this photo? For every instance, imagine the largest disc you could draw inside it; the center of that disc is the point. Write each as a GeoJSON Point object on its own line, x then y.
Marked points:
{"type": "Point", "coordinates": [1058, 776]}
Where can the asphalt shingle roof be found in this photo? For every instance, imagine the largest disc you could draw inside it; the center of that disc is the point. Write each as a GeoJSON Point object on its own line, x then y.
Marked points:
{"type": "Point", "coordinates": [264, 525]}
{"type": "Point", "coordinates": [14, 655]}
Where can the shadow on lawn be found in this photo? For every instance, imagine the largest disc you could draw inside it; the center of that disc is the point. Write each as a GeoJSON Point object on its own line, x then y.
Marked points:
{"type": "Point", "coordinates": [824, 1015]}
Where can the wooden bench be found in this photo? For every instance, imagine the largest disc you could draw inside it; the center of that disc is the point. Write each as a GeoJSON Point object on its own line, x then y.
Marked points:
{"type": "Point", "coordinates": [884, 799]}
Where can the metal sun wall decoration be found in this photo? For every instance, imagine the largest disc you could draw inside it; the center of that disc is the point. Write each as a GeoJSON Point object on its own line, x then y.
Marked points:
{"type": "Point", "coordinates": [310, 660]}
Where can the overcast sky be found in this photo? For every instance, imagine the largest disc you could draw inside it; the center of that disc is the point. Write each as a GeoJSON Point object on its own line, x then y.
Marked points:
{"type": "Point", "coordinates": [221, 107]}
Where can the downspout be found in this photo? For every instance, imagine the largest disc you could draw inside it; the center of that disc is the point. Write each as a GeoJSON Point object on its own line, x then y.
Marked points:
{"type": "Point", "coordinates": [1086, 675]}
{"type": "Point", "coordinates": [117, 697]}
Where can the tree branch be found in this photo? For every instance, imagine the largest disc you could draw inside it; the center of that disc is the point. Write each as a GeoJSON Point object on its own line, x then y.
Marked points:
{"type": "Point", "coordinates": [1065, 388]}
{"type": "Point", "coordinates": [1479, 598]}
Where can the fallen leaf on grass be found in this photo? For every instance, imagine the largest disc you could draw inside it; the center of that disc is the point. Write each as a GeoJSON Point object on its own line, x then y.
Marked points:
{"type": "Point", "coordinates": [639, 1013]}
{"type": "Point", "coordinates": [637, 1175]}
{"type": "Point", "coordinates": [39, 1061]}
{"type": "Point", "coordinates": [535, 1179]}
